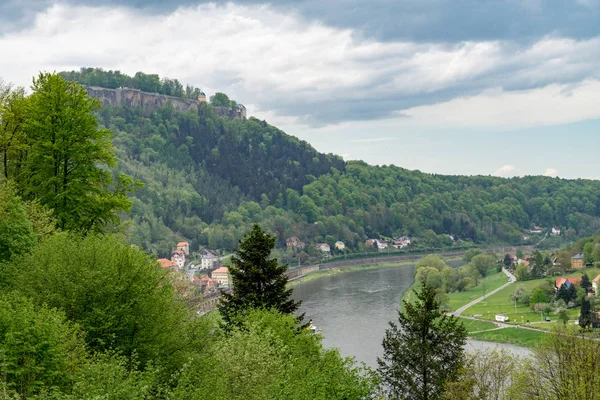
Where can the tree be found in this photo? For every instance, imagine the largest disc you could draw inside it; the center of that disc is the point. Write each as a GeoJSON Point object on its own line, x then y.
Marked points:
{"type": "Point", "coordinates": [423, 351]}
{"type": "Point", "coordinates": [521, 272]}
{"type": "Point", "coordinates": [266, 357]}
{"type": "Point", "coordinates": [67, 155]}
{"type": "Point", "coordinates": [585, 282]}
{"type": "Point", "coordinates": [39, 349]}
{"type": "Point", "coordinates": [585, 314]}
{"type": "Point", "coordinates": [469, 254]}
{"type": "Point", "coordinates": [16, 230]}
{"type": "Point", "coordinates": [538, 297]}
{"type": "Point", "coordinates": [563, 315]}
{"type": "Point", "coordinates": [116, 293]}
{"type": "Point", "coordinates": [564, 366]}
{"type": "Point", "coordinates": [220, 100]}
{"type": "Point", "coordinates": [483, 263]}
{"type": "Point", "coordinates": [507, 260]}
{"type": "Point", "coordinates": [258, 282]}
{"type": "Point", "coordinates": [431, 260]}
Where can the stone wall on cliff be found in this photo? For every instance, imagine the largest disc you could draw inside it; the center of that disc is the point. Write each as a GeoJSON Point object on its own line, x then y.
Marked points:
{"type": "Point", "coordinates": [148, 102]}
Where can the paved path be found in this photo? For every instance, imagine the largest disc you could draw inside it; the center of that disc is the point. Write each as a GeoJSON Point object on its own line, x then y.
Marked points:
{"type": "Point", "coordinates": [511, 280]}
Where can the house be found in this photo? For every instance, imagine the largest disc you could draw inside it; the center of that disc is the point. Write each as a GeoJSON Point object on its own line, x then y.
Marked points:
{"type": "Point", "coordinates": [168, 264]}
{"type": "Point", "coordinates": [525, 237]}
{"type": "Point", "coordinates": [222, 276]}
{"type": "Point", "coordinates": [577, 261]}
{"type": "Point", "coordinates": [205, 283]}
{"type": "Point", "coordinates": [178, 257]}
{"type": "Point", "coordinates": [324, 247]}
{"type": "Point", "coordinates": [381, 245]}
{"type": "Point", "coordinates": [501, 318]}
{"type": "Point", "coordinates": [595, 284]}
{"type": "Point", "coordinates": [536, 229]}
{"type": "Point", "coordinates": [294, 243]}
{"type": "Point", "coordinates": [201, 97]}
{"type": "Point", "coordinates": [555, 230]}
{"type": "Point", "coordinates": [558, 282]}
{"type": "Point", "coordinates": [208, 260]}
{"type": "Point", "coordinates": [369, 242]}
{"type": "Point", "coordinates": [339, 245]}
{"type": "Point", "coordinates": [185, 247]}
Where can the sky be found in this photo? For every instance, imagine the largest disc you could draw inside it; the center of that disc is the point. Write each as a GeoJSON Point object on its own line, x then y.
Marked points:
{"type": "Point", "coordinates": [490, 87]}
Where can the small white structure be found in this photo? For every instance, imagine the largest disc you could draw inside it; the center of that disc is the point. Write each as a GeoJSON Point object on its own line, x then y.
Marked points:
{"type": "Point", "coordinates": [556, 230]}
{"type": "Point", "coordinates": [501, 318]}
{"type": "Point", "coordinates": [324, 247]}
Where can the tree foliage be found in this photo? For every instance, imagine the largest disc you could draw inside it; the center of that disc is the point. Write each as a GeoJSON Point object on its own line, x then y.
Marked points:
{"type": "Point", "coordinates": [423, 351]}
{"type": "Point", "coordinates": [258, 280]}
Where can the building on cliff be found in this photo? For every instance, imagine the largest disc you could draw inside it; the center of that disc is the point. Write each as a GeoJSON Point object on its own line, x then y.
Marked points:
{"type": "Point", "coordinates": [150, 102]}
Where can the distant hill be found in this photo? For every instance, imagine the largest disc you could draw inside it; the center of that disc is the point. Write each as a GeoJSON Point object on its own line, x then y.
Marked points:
{"type": "Point", "coordinates": [208, 178]}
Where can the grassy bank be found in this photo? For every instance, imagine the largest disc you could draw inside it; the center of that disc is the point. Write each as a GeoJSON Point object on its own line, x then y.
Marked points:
{"type": "Point", "coordinates": [516, 336]}
{"type": "Point", "coordinates": [334, 271]}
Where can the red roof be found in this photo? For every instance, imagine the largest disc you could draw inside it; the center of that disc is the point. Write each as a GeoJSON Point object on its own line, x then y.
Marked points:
{"type": "Point", "coordinates": [221, 269]}
{"type": "Point", "coordinates": [165, 263]}
{"type": "Point", "coordinates": [596, 279]}
{"type": "Point", "coordinates": [183, 244]}
{"type": "Point", "coordinates": [561, 281]}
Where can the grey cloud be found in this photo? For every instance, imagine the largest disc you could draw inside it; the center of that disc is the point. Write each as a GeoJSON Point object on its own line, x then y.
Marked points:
{"type": "Point", "coordinates": [414, 20]}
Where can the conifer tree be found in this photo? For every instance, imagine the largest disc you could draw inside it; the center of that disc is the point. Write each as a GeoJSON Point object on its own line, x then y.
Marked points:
{"type": "Point", "coordinates": [258, 281]}
{"type": "Point", "coordinates": [423, 351]}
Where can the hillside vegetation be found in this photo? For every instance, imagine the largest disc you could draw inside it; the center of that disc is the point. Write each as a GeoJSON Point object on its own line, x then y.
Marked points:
{"type": "Point", "coordinates": [208, 178]}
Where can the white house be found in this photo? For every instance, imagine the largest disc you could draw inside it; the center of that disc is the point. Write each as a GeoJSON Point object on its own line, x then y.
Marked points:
{"type": "Point", "coordinates": [556, 230]}
{"type": "Point", "coordinates": [324, 247]}
{"type": "Point", "coordinates": [536, 229]}
{"type": "Point", "coordinates": [208, 260]}
{"type": "Point", "coordinates": [178, 257]}
{"type": "Point", "coordinates": [595, 284]}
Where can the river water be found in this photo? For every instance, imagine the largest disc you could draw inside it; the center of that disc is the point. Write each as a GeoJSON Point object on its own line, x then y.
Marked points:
{"type": "Point", "coordinates": [353, 309]}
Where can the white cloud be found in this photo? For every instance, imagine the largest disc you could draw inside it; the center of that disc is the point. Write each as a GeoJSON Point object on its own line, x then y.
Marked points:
{"type": "Point", "coordinates": [507, 171]}
{"type": "Point", "coordinates": [550, 105]}
{"type": "Point", "coordinates": [551, 172]}
{"type": "Point", "coordinates": [289, 67]}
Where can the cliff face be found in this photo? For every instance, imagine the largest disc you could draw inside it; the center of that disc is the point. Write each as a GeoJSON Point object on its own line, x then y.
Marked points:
{"type": "Point", "coordinates": [134, 98]}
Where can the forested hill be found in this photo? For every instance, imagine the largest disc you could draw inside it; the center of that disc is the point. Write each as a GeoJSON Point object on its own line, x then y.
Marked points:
{"type": "Point", "coordinates": [208, 178]}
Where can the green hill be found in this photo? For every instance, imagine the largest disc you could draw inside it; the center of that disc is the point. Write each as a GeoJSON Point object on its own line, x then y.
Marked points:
{"type": "Point", "coordinates": [208, 178]}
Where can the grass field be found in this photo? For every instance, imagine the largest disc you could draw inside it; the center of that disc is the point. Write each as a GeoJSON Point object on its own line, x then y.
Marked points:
{"type": "Point", "coordinates": [492, 281]}
{"type": "Point", "coordinates": [475, 326]}
{"type": "Point", "coordinates": [516, 336]}
{"type": "Point", "coordinates": [500, 303]}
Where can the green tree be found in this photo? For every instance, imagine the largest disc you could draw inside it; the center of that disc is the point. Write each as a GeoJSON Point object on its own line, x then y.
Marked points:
{"type": "Point", "coordinates": [538, 296]}
{"type": "Point", "coordinates": [431, 260]}
{"type": "Point", "coordinates": [266, 357]}
{"type": "Point", "coordinates": [117, 294]}
{"type": "Point", "coordinates": [39, 349]}
{"type": "Point", "coordinates": [507, 261]}
{"type": "Point", "coordinates": [469, 254]}
{"type": "Point", "coordinates": [423, 351]}
{"type": "Point", "coordinates": [258, 281]}
{"type": "Point", "coordinates": [16, 230]}
{"type": "Point", "coordinates": [66, 157]}
{"type": "Point", "coordinates": [585, 314]}
{"type": "Point", "coordinates": [220, 100]}
{"type": "Point", "coordinates": [521, 272]}
{"type": "Point", "coordinates": [585, 282]}
{"type": "Point", "coordinates": [483, 263]}
{"type": "Point", "coordinates": [563, 315]}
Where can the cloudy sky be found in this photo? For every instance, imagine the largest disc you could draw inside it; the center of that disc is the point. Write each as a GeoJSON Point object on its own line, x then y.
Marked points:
{"type": "Point", "coordinates": [504, 87]}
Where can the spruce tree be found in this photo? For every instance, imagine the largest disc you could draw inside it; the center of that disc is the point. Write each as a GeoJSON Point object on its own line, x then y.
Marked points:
{"type": "Point", "coordinates": [585, 314]}
{"type": "Point", "coordinates": [423, 352]}
{"type": "Point", "coordinates": [258, 281]}
{"type": "Point", "coordinates": [585, 282]}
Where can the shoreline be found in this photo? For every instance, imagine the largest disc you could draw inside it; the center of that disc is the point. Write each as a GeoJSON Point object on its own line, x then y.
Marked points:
{"type": "Point", "coordinates": [341, 270]}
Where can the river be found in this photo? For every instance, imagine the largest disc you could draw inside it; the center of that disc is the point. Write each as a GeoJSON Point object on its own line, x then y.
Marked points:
{"type": "Point", "coordinates": [353, 309]}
